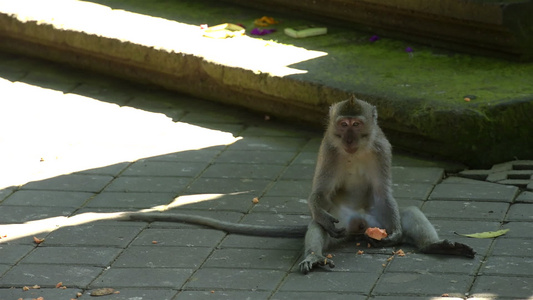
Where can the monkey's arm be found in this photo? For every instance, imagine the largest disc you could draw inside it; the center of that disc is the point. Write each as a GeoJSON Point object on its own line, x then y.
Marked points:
{"type": "Point", "coordinates": [245, 229]}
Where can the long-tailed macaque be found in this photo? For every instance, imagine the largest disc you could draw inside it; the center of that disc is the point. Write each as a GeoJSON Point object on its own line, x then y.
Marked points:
{"type": "Point", "coordinates": [352, 181]}
{"type": "Point", "coordinates": [352, 188]}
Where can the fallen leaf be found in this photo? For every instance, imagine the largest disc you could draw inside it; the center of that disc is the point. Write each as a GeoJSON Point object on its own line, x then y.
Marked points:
{"type": "Point", "coordinates": [102, 292]}
{"type": "Point", "coordinates": [255, 200]}
{"type": "Point", "coordinates": [360, 252]}
{"type": "Point", "coordinates": [485, 235]}
{"type": "Point", "coordinates": [59, 284]}
{"type": "Point", "coordinates": [329, 256]}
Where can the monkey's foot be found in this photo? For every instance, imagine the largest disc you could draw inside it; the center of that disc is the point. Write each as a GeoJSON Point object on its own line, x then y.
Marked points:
{"type": "Point", "coordinates": [312, 260]}
{"type": "Point", "coordinates": [449, 248]}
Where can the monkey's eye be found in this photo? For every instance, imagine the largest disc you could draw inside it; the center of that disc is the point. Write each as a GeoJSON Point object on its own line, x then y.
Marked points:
{"type": "Point", "coordinates": [356, 124]}
{"type": "Point", "coordinates": [344, 124]}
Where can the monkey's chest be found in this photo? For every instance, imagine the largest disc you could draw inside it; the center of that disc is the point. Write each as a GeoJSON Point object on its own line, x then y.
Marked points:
{"type": "Point", "coordinates": [355, 189]}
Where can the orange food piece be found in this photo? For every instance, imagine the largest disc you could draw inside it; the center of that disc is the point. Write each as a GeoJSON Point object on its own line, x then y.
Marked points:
{"type": "Point", "coordinates": [255, 200]}
{"type": "Point", "coordinates": [37, 240]}
{"type": "Point", "coordinates": [360, 252]}
{"type": "Point", "coordinates": [376, 233]}
{"type": "Point", "coordinates": [329, 256]}
{"type": "Point", "coordinates": [400, 253]}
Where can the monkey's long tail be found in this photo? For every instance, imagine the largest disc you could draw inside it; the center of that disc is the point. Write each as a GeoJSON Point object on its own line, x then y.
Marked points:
{"type": "Point", "coordinates": [294, 231]}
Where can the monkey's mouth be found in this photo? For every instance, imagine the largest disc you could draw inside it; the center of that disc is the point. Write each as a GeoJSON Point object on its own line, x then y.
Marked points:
{"type": "Point", "coordinates": [351, 149]}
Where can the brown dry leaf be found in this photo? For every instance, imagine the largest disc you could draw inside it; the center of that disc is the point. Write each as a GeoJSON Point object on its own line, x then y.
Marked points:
{"type": "Point", "coordinates": [25, 288]}
{"type": "Point", "coordinates": [329, 256]}
{"type": "Point", "coordinates": [400, 253]}
{"type": "Point", "coordinates": [78, 294]}
{"type": "Point", "coordinates": [255, 200]}
{"type": "Point", "coordinates": [102, 292]}
{"type": "Point", "coordinates": [36, 287]}
{"type": "Point", "coordinates": [445, 295]}
{"type": "Point", "coordinates": [37, 240]}
{"type": "Point", "coordinates": [360, 252]}
{"type": "Point", "coordinates": [59, 284]}
{"type": "Point", "coordinates": [154, 242]}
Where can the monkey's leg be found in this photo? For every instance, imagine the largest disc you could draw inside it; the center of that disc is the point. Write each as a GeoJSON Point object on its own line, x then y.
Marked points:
{"type": "Point", "coordinates": [418, 231]}
{"type": "Point", "coordinates": [316, 239]}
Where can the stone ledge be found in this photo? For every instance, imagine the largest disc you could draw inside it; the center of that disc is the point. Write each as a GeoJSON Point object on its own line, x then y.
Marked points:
{"type": "Point", "coordinates": [494, 28]}
{"type": "Point", "coordinates": [479, 134]}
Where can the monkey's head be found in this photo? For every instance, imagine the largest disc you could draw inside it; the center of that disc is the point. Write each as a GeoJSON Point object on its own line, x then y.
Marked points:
{"type": "Point", "coordinates": [352, 124]}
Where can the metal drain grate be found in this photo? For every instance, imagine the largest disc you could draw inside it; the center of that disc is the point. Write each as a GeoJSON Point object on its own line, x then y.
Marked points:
{"type": "Point", "coordinates": [518, 173]}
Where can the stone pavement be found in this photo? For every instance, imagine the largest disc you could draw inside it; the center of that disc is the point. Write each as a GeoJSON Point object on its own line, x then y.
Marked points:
{"type": "Point", "coordinates": [77, 147]}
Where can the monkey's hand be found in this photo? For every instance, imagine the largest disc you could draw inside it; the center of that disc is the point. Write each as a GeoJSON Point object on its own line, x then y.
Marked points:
{"type": "Point", "coordinates": [327, 221]}
{"type": "Point", "coordinates": [312, 260]}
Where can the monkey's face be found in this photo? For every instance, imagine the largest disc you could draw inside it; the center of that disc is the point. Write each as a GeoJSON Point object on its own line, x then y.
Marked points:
{"type": "Point", "coordinates": [352, 133]}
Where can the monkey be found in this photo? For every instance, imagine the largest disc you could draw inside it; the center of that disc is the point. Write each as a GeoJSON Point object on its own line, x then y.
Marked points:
{"type": "Point", "coordinates": [351, 187]}
{"type": "Point", "coordinates": [352, 181]}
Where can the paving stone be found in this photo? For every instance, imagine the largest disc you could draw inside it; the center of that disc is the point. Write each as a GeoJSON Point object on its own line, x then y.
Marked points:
{"type": "Point", "coordinates": [180, 237]}
{"type": "Point", "coordinates": [252, 258]}
{"type": "Point", "coordinates": [412, 297]}
{"type": "Point", "coordinates": [276, 219]}
{"type": "Point", "coordinates": [518, 230]}
{"type": "Point", "coordinates": [48, 275]}
{"type": "Point", "coordinates": [507, 265]}
{"type": "Point", "coordinates": [195, 117]}
{"type": "Point", "coordinates": [235, 279]}
{"type": "Point", "coordinates": [430, 284]}
{"type": "Point", "coordinates": [5, 192]}
{"type": "Point", "coordinates": [12, 253]}
{"type": "Point", "coordinates": [255, 242]}
{"type": "Point", "coordinates": [520, 212]}
{"type": "Point", "coordinates": [93, 256]}
{"type": "Point", "coordinates": [48, 198]}
{"type": "Point", "coordinates": [130, 200]}
{"type": "Point", "coordinates": [227, 185]}
{"type": "Point", "coordinates": [427, 264]}
{"type": "Point", "coordinates": [306, 158]}
{"type": "Point", "coordinates": [299, 172]}
{"type": "Point", "coordinates": [513, 247]}
{"type": "Point", "coordinates": [406, 202]}
{"type": "Point", "coordinates": [235, 170]}
{"type": "Point", "coordinates": [419, 191]}
{"type": "Point", "coordinates": [465, 210]}
{"type": "Point", "coordinates": [199, 156]}
{"type": "Point", "coordinates": [256, 157]}
{"type": "Point", "coordinates": [416, 175]}
{"type": "Point", "coordinates": [142, 277]}
{"type": "Point", "coordinates": [283, 205]}
{"type": "Point", "coordinates": [320, 281]}
{"type": "Point", "coordinates": [112, 170]}
{"type": "Point", "coordinates": [273, 129]}
{"type": "Point", "coordinates": [330, 295]}
{"type": "Point", "coordinates": [313, 144]}
{"type": "Point", "coordinates": [294, 188]}
{"type": "Point", "coordinates": [72, 182]}
{"type": "Point", "coordinates": [474, 192]}
{"type": "Point", "coordinates": [165, 168]}
{"type": "Point", "coordinates": [238, 202]}
{"type": "Point", "coordinates": [94, 235]}
{"type": "Point", "coordinates": [499, 287]}
{"type": "Point", "coordinates": [45, 293]}
{"type": "Point", "coordinates": [148, 184]}
{"type": "Point", "coordinates": [523, 197]}
{"type": "Point", "coordinates": [135, 294]}
{"type": "Point", "coordinates": [3, 269]}
{"type": "Point", "coordinates": [21, 214]}
{"type": "Point", "coordinates": [222, 294]}
{"type": "Point", "coordinates": [446, 228]}
{"type": "Point", "coordinates": [157, 256]}
{"type": "Point", "coordinates": [269, 143]}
